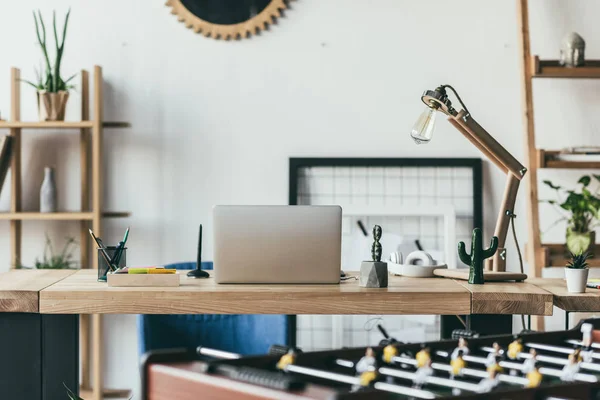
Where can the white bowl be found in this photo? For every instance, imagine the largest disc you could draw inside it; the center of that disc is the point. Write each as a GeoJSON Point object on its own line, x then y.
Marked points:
{"type": "Point", "coordinates": [414, 271]}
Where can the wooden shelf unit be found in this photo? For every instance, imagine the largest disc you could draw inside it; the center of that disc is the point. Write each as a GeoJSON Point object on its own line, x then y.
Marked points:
{"type": "Point", "coordinates": [59, 216]}
{"type": "Point", "coordinates": [538, 255]}
{"type": "Point", "coordinates": [60, 124]}
{"type": "Point", "coordinates": [90, 133]}
{"type": "Point", "coordinates": [550, 159]}
{"type": "Point", "coordinates": [552, 69]}
{"type": "Point", "coordinates": [555, 255]}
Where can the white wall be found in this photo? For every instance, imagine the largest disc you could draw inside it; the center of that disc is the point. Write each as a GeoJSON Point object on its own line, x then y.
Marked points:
{"type": "Point", "coordinates": [215, 122]}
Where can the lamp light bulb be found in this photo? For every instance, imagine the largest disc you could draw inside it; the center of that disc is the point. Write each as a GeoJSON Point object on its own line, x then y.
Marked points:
{"type": "Point", "coordinates": [422, 131]}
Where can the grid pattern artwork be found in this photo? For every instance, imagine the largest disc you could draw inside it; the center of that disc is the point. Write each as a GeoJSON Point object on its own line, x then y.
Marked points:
{"type": "Point", "coordinates": [384, 184]}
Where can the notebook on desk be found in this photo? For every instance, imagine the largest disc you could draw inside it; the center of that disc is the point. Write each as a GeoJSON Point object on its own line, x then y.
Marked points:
{"type": "Point", "coordinates": [277, 244]}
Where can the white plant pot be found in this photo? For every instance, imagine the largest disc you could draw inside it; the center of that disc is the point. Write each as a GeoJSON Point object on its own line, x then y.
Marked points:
{"type": "Point", "coordinates": [576, 279]}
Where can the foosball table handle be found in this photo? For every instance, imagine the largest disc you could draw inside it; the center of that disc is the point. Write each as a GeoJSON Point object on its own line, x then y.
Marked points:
{"type": "Point", "coordinates": [464, 333]}
{"type": "Point", "coordinates": [255, 376]}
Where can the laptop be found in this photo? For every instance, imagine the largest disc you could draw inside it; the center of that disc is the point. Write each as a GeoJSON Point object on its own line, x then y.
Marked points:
{"type": "Point", "coordinates": [277, 244]}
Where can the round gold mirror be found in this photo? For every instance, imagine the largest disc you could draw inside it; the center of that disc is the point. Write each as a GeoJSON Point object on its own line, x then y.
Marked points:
{"type": "Point", "coordinates": [227, 19]}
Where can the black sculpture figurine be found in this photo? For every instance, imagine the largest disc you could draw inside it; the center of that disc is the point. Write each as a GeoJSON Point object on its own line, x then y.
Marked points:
{"type": "Point", "coordinates": [374, 274]}
{"type": "Point", "coordinates": [198, 273]}
{"type": "Point", "coordinates": [376, 247]}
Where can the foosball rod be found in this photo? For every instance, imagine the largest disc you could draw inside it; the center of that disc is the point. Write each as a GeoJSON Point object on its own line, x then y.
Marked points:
{"type": "Point", "coordinates": [580, 343]}
{"type": "Point", "coordinates": [475, 373]}
{"type": "Point", "coordinates": [545, 370]}
{"type": "Point", "coordinates": [556, 349]}
{"type": "Point", "coordinates": [450, 383]}
{"type": "Point", "coordinates": [225, 355]}
{"type": "Point", "coordinates": [431, 380]}
{"type": "Point", "coordinates": [355, 381]}
{"type": "Point", "coordinates": [552, 360]}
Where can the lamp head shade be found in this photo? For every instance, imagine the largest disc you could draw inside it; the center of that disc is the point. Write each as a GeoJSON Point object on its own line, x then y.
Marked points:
{"type": "Point", "coordinates": [435, 100]}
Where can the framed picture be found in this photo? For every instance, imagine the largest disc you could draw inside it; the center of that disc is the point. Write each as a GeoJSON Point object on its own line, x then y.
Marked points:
{"type": "Point", "coordinates": [420, 202]}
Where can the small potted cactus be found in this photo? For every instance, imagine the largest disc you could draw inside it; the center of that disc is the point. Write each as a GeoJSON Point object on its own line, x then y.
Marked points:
{"type": "Point", "coordinates": [576, 272]}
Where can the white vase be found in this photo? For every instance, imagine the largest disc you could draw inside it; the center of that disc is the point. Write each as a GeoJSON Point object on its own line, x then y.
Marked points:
{"type": "Point", "coordinates": [48, 192]}
{"type": "Point", "coordinates": [576, 279]}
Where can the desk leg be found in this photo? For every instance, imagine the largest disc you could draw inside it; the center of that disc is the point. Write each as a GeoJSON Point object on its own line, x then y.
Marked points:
{"type": "Point", "coordinates": [38, 353]}
{"type": "Point", "coordinates": [484, 324]}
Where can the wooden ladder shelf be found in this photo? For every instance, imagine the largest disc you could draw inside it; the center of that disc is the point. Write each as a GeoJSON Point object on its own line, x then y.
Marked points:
{"type": "Point", "coordinates": [90, 215]}
{"type": "Point", "coordinates": [541, 255]}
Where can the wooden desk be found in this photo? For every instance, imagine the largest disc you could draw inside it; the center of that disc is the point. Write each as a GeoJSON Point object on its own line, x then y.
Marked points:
{"type": "Point", "coordinates": [20, 289]}
{"type": "Point", "coordinates": [580, 302]}
{"type": "Point", "coordinates": [82, 294]}
{"type": "Point", "coordinates": [40, 310]}
{"type": "Point", "coordinates": [509, 298]}
{"type": "Point", "coordinates": [39, 352]}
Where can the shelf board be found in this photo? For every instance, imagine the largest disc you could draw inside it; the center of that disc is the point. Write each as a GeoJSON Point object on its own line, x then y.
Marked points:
{"type": "Point", "coordinates": [552, 69]}
{"type": "Point", "coordinates": [555, 255]}
{"type": "Point", "coordinates": [59, 216]}
{"type": "Point", "coordinates": [88, 394]}
{"type": "Point", "coordinates": [61, 124]}
{"type": "Point", "coordinates": [550, 159]}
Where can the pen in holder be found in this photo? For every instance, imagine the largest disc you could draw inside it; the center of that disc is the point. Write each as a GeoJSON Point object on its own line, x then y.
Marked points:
{"type": "Point", "coordinates": [103, 267]}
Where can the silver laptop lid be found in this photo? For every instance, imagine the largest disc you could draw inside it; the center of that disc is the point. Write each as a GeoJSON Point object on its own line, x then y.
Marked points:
{"type": "Point", "coordinates": [277, 244]}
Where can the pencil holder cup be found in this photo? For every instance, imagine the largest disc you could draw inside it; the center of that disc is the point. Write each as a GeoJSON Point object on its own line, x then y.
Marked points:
{"type": "Point", "coordinates": [103, 267]}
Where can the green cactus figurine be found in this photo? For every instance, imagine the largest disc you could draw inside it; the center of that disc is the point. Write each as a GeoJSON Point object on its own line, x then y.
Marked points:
{"type": "Point", "coordinates": [478, 254]}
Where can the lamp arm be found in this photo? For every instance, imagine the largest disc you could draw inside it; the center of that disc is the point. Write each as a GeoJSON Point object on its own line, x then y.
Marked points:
{"type": "Point", "coordinates": [515, 171]}
{"type": "Point", "coordinates": [488, 145]}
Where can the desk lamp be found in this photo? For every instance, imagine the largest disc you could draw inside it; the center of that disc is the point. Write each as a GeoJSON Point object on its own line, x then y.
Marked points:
{"type": "Point", "coordinates": [437, 100]}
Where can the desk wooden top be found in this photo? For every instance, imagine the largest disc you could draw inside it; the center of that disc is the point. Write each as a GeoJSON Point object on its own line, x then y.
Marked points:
{"type": "Point", "coordinates": [583, 302]}
{"type": "Point", "coordinates": [19, 289]}
{"type": "Point", "coordinates": [80, 293]}
{"type": "Point", "coordinates": [509, 298]}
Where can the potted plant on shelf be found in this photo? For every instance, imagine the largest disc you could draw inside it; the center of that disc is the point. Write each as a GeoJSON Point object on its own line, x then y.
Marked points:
{"type": "Point", "coordinates": [581, 211]}
{"type": "Point", "coordinates": [52, 89]}
{"type": "Point", "coordinates": [576, 273]}
{"type": "Point", "coordinates": [50, 260]}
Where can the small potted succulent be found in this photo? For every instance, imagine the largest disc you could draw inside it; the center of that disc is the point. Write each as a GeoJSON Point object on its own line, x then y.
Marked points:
{"type": "Point", "coordinates": [581, 210]}
{"type": "Point", "coordinates": [52, 89]}
{"type": "Point", "coordinates": [576, 272]}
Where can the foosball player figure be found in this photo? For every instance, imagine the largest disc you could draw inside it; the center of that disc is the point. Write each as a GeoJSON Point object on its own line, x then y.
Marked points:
{"type": "Point", "coordinates": [534, 377]}
{"type": "Point", "coordinates": [571, 369]}
{"type": "Point", "coordinates": [514, 348]}
{"type": "Point", "coordinates": [368, 377]}
{"type": "Point", "coordinates": [423, 356]}
{"type": "Point", "coordinates": [497, 352]}
{"type": "Point", "coordinates": [462, 346]}
{"type": "Point", "coordinates": [389, 352]}
{"type": "Point", "coordinates": [586, 342]}
{"type": "Point", "coordinates": [529, 364]}
{"type": "Point", "coordinates": [495, 367]}
{"type": "Point", "coordinates": [577, 355]}
{"type": "Point", "coordinates": [488, 384]}
{"type": "Point", "coordinates": [586, 330]}
{"type": "Point", "coordinates": [422, 374]}
{"type": "Point", "coordinates": [457, 364]}
{"type": "Point", "coordinates": [367, 362]}
{"type": "Point", "coordinates": [287, 359]}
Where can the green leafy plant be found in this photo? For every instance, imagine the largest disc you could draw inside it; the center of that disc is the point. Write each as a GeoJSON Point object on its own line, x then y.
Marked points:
{"type": "Point", "coordinates": [50, 79]}
{"type": "Point", "coordinates": [580, 208]}
{"type": "Point", "coordinates": [579, 261]}
{"type": "Point", "coordinates": [63, 260]}
{"type": "Point", "coordinates": [72, 396]}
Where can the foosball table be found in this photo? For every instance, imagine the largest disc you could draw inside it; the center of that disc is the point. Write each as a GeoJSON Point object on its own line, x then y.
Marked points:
{"type": "Point", "coordinates": [552, 365]}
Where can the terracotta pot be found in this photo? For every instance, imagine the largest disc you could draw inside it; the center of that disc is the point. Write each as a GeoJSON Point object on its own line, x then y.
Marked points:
{"type": "Point", "coordinates": [51, 106]}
